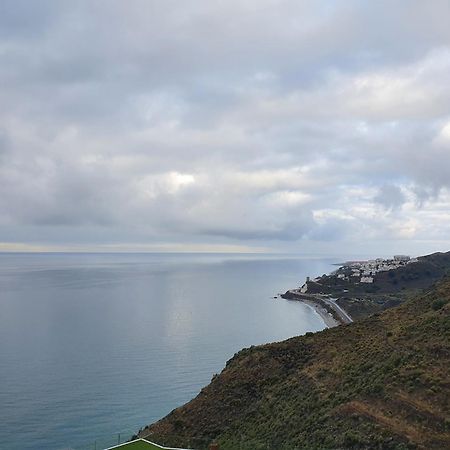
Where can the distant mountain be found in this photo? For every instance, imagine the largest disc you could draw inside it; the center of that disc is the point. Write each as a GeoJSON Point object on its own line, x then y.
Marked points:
{"type": "Point", "coordinates": [382, 382]}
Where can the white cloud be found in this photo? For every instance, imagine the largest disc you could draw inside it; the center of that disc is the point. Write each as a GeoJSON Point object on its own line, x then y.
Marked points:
{"type": "Point", "coordinates": [234, 124]}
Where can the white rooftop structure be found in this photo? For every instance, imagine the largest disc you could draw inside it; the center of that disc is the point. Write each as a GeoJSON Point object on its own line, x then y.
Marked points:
{"type": "Point", "coordinates": [366, 279]}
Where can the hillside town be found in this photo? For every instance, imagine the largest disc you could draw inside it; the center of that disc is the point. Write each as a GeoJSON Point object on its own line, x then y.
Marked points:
{"type": "Point", "coordinates": [355, 272]}
{"type": "Point", "coordinates": [365, 271]}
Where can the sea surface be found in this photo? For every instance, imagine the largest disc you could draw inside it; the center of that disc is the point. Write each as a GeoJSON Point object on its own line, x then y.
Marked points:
{"type": "Point", "coordinates": [96, 344]}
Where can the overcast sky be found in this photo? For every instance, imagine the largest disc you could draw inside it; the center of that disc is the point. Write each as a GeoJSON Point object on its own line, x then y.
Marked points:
{"type": "Point", "coordinates": [299, 126]}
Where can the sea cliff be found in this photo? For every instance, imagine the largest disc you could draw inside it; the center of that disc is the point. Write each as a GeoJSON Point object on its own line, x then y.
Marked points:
{"type": "Point", "coordinates": [381, 382]}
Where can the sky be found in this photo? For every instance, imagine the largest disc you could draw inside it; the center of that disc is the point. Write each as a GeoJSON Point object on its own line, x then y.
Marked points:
{"type": "Point", "coordinates": [315, 127]}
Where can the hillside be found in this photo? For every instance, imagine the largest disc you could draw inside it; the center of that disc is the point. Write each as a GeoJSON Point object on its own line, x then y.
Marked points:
{"type": "Point", "coordinates": [427, 270]}
{"type": "Point", "coordinates": [388, 289]}
{"type": "Point", "coordinates": [382, 382]}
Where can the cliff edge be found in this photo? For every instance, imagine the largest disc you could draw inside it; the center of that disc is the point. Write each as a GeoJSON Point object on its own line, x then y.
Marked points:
{"type": "Point", "coordinates": [379, 383]}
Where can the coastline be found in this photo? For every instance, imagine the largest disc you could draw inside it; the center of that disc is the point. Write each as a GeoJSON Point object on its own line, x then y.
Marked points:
{"type": "Point", "coordinates": [328, 319]}
{"type": "Point", "coordinates": [331, 313]}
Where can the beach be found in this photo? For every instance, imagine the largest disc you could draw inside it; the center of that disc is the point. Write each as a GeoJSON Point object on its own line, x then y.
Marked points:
{"type": "Point", "coordinates": [329, 320]}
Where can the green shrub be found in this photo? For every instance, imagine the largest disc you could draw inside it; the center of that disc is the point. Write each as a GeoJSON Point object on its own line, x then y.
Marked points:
{"type": "Point", "coordinates": [438, 304]}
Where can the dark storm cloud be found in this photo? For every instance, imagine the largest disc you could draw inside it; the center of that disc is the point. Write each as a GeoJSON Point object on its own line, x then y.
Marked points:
{"type": "Point", "coordinates": [226, 122]}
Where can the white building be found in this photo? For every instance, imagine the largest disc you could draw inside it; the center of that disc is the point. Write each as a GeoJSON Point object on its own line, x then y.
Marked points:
{"type": "Point", "coordinates": [401, 258]}
{"type": "Point", "coordinates": [366, 279]}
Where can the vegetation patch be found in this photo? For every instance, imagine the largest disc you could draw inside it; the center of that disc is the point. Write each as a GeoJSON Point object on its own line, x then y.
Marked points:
{"type": "Point", "coordinates": [379, 383]}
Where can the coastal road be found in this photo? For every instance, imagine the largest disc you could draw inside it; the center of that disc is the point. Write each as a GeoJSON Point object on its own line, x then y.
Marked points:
{"type": "Point", "coordinates": [331, 302]}
{"type": "Point", "coordinates": [343, 315]}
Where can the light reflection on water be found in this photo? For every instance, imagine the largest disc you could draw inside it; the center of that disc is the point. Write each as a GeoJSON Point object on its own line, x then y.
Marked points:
{"type": "Point", "coordinates": [91, 343]}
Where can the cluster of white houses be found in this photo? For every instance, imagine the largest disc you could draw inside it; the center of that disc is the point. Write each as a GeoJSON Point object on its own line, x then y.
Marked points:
{"type": "Point", "coordinates": [364, 271]}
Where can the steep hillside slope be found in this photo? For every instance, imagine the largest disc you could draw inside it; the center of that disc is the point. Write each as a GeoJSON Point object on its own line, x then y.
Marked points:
{"type": "Point", "coordinates": [380, 383]}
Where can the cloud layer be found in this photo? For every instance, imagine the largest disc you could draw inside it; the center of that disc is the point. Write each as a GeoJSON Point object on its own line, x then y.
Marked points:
{"type": "Point", "coordinates": [281, 125]}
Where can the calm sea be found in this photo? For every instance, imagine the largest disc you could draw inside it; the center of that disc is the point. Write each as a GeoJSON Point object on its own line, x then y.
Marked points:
{"type": "Point", "coordinates": [96, 344]}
